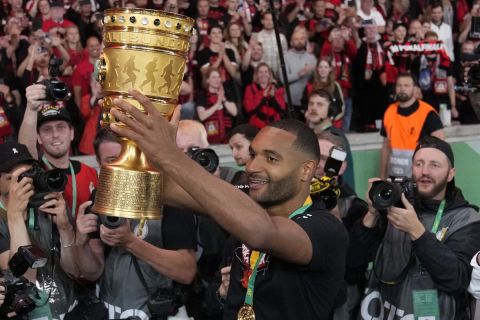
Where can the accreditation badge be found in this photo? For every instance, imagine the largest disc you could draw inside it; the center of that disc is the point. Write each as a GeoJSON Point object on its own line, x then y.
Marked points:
{"type": "Point", "coordinates": [425, 305]}
{"type": "Point", "coordinates": [246, 313]}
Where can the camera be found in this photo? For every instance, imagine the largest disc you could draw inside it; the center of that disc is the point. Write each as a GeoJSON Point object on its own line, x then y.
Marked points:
{"type": "Point", "coordinates": [166, 301]}
{"type": "Point", "coordinates": [110, 222]}
{"type": "Point", "coordinates": [385, 194]}
{"type": "Point", "coordinates": [205, 157]}
{"type": "Point", "coordinates": [470, 71]}
{"type": "Point", "coordinates": [327, 188]}
{"type": "Point", "coordinates": [19, 292]}
{"type": "Point", "coordinates": [56, 90]}
{"type": "Point", "coordinates": [44, 182]}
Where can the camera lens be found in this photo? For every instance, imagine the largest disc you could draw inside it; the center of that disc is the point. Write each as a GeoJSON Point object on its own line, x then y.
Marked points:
{"type": "Point", "coordinates": [207, 158]}
{"type": "Point", "coordinates": [384, 194]}
{"type": "Point", "coordinates": [111, 222]}
{"type": "Point", "coordinates": [59, 90]}
{"type": "Point", "coordinates": [55, 180]}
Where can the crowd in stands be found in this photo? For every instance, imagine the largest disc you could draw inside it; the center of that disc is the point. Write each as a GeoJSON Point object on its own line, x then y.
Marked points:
{"type": "Point", "coordinates": [354, 50]}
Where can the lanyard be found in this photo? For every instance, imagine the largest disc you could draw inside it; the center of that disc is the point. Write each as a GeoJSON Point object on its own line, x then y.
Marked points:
{"type": "Point", "coordinates": [74, 184]}
{"type": "Point", "coordinates": [30, 215]}
{"type": "Point", "coordinates": [438, 217]}
{"type": "Point", "coordinates": [256, 256]}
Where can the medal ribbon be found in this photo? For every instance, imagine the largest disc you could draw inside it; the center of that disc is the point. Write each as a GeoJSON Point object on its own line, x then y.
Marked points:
{"type": "Point", "coordinates": [256, 256]}
{"type": "Point", "coordinates": [74, 184]}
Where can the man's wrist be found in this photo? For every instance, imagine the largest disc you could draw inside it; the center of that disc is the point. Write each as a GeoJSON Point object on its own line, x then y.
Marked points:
{"type": "Point", "coordinates": [417, 231]}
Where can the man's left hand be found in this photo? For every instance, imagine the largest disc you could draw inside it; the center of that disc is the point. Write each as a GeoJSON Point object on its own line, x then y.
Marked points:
{"type": "Point", "coordinates": [119, 237]}
{"type": "Point", "coordinates": [406, 219]}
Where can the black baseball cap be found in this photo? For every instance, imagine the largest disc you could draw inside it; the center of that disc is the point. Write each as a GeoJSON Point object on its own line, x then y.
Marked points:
{"type": "Point", "coordinates": [52, 112]}
{"type": "Point", "coordinates": [13, 153]}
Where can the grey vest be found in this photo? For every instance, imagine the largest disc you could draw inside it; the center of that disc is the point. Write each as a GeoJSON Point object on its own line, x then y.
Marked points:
{"type": "Point", "coordinates": [120, 286]}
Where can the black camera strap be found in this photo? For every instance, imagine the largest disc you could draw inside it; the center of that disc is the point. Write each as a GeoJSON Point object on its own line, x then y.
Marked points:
{"type": "Point", "coordinates": [140, 275]}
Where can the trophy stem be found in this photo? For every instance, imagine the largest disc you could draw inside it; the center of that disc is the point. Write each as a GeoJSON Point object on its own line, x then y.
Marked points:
{"type": "Point", "coordinates": [129, 187]}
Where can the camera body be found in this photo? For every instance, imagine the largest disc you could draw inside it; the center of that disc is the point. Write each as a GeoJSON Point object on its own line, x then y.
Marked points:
{"type": "Point", "coordinates": [19, 292]}
{"type": "Point", "coordinates": [56, 90]}
{"type": "Point", "coordinates": [165, 302]}
{"type": "Point", "coordinates": [18, 296]}
{"type": "Point", "coordinates": [205, 157]}
{"type": "Point", "coordinates": [327, 188]}
{"type": "Point", "coordinates": [386, 194]}
{"type": "Point", "coordinates": [44, 182]}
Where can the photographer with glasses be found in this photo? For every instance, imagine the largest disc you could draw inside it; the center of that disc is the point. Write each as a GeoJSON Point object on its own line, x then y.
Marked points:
{"type": "Point", "coordinates": [421, 235]}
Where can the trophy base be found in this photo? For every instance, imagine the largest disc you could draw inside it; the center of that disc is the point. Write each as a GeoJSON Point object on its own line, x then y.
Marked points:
{"type": "Point", "coordinates": [129, 187]}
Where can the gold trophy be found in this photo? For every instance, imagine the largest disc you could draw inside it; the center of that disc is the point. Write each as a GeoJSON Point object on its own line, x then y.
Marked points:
{"type": "Point", "coordinates": [145, 50]}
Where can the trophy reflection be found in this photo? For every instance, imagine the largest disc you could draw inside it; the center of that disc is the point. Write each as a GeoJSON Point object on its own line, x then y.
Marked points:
{"type": "Point", "coordinates": [145, 50]}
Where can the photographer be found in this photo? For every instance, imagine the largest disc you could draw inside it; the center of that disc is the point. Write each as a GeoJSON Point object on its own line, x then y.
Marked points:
{"type": "Point", "coordinates": [45, 224]}
{"type": "Point", "coordinates": [421, 260]}
{"type": "Point", "coordinates": [49, 124]}
{"type": "Point", "coordinates": [122, 257]}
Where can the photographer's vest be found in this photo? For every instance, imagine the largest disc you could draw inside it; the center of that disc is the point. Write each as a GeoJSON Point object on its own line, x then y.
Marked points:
{"type": "Point", "coordinates": [388, 299]}
{"type": "Point", "coordinates": [121, 288]}
{"type": "Point", "coordinates": [404, 133]}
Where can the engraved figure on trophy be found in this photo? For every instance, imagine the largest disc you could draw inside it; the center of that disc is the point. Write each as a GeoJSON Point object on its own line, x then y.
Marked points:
{"type": "Point", "coordinates": [178, 79]}
{"type": "Point", "coordinates": [167, 75]}
{"type": "Point", "coordinates": [130, 70]}
{"type": "Point", "coordinates": [116, 74]}
{"type": "Point", "coordinates": [150, 75]}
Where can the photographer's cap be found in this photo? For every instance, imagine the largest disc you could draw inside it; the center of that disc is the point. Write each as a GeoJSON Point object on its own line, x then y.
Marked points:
{"type": "Point", "coordinates": [439, 144]}
{"type": "Point", "coordinates": [436, 143]}
{"type": "Point", "coordinates": [50, 112]}
{"type": "Point", "coordinates": [13, 153]}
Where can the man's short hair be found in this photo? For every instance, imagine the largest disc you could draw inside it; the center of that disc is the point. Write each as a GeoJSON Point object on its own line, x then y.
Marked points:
{"type": "Point", "coordinates": [247, 130]}
{"type": "Point", "coordinates": [196, 127]}
{"type": "Point", "coordinates": [430, 34]}
{"type": "Point", "coordinates": [436, 4]}
{"type": "Point", "coordinates": [408, 75]}
{"type": "Point", "coordinates": [306, 141]}
{"type": "Point", "coordinates": [333, 138]}
{"type": "Point", "coordinates": [103, 135]}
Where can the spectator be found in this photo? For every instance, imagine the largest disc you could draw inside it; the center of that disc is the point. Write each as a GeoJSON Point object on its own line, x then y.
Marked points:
{"type": "Point", "coordinates": [57, 24]}
{"type": "Point", "coordinates": [39, 11]}
{"type": "Point", "coordinates": [75, 51]}
{"type": "Point", "coordinates": [239, 143]}
{"type": "Point", "coordinates": [414, 251]}
{"type": "Point", "coordinates": [91, 114]}
{"type": "Point", "coordinates": [13, 47]}
{"type": "Point", "coordinates": [300, 66]}
{"type": "Point", "coordinates": [251, 59]}
{"type": "Point", "coordinates": [341, 49]}
{"type": "Point", "coordinates": [320, 24]}
{"type": "Point", "coordinates": [218, 13]}
{"type": "Point", "coordinates": [203, 23]}
{"type": "Point", "coordinates": [264, 100]}
{"type": "Point", "coordinates": [216, 55]}
{"type": "Point", "coordinates": [404, 124]}
{"type": "Point", "coordinates": [269, 43]}
{"type": "Point", "coordinates": [234, 40]}
{"type": "Point", "coordinates": [83, 72]}
{"type": "Point", "coordinates": [324, 79]}
{"type": "Point", "coordinates": [370, 77]}
{"type": "Point", "coordinates": [215, 107]}
{"type": "Point", "coordinates": [466, 26]}
{"type": "Point", "coordinates": [415, 30]}
{"type": "Point", "coordinates": [369, 15]}
{"type": "Point", "coordinates": [82, 19]}
{"type": "Point", "coordinates": [468, 102]}
{"type": "Point", "coordinates": [441, 28]}
{"type": "Point", "coordinates": [435, 77]}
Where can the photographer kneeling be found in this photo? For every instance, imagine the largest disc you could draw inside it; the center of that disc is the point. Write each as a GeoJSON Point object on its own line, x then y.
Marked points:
{"type": "Point", "coordinates": [32, 214]}
{"type": "Point", "coordinates": [422, 253]}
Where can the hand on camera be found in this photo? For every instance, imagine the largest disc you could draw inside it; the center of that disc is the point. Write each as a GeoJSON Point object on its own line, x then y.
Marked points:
{"type": "Point", "coordinates": [87, 223]}
{"type": "Point", "coordinates": [406, 219]}
{"type": "Point", "coordinates": [118, 237]}
{"type": "Point", "coordinates": [19, 194]}
{"type": "Point", "coordinates": [55, 206]}
{"type": "Point", "coordinates": [36, 94]}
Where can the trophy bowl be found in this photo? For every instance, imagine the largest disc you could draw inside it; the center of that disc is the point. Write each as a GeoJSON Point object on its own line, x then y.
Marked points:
{"type": "Point", "coordinates": [145, 50]}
